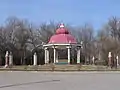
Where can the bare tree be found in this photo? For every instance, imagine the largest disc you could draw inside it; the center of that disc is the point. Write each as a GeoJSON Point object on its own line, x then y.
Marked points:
{"type": "Point", "coordinates": [108, 38]}
{"type": "Point", "coordinates": [46, 31]}
{"type": "Point", "coordinates": [86, 34]}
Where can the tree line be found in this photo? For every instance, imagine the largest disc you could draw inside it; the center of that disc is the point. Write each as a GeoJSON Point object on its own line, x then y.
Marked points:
{"type": "Point", "coordinates": [23, 38]}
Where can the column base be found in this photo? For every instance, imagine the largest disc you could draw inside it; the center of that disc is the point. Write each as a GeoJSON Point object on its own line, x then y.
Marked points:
{"type": "Point", "coordinates": [6, 66]}
{"type": "Point", "coordinates": [78, 64]}
{"type": "Point", "coordinates": [34, 65]}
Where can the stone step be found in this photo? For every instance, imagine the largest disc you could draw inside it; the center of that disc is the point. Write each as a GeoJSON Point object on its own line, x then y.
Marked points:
{"type": "Point", "coordinates": [63, 60]}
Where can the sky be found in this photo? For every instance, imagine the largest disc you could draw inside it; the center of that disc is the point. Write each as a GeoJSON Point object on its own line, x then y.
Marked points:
{"type": "Point", "coordinates": [73, 12]}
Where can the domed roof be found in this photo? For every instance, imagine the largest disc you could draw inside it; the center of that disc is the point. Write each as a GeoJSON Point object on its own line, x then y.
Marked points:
{"type": "Point", "coordinates": [62, 30]}
{"type": "Point", "coordinates": [62, 36]}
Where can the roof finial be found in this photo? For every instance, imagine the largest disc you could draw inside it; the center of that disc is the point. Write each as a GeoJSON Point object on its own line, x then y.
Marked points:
{"type": "Point", "coordinates": [62, 25]}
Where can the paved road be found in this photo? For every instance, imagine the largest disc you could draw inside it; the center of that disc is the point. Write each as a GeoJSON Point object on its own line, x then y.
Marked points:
{"type": "Point", "coordinates": [59, 81]}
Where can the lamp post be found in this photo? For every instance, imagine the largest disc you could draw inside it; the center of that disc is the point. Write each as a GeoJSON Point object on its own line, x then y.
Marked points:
{"type": "Point", "coordinates": [109, 59]}
{"type": "Point", "coordinates": [35, 59]}
{"type": "Point", "coordinates": [117, 60]}
{"type": "Point", "coordinates": [6, 59]}
{"type": "Point", "coordinates": [10, 59]}
{"type": "Point", "coordinates": [93, 60]}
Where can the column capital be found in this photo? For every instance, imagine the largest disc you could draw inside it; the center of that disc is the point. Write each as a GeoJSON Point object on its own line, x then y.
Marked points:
{"type": "Point", "coordinates": [68, 47]}
{"type": "Point", "coordinates": [35, 53]}
{"type": "Point", "coordinates": [46, 48]}
{"type": "Point", "coordinates": [54, 47]}
{"type": "Point", "coordinates": [79, 47]}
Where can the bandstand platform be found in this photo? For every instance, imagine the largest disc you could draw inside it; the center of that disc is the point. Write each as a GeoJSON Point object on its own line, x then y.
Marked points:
{"type": "Point", "coordinates": [62, 39]}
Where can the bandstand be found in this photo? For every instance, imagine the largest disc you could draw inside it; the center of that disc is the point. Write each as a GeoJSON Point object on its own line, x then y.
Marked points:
{"type": "Point", "coordinates": [62, 39]}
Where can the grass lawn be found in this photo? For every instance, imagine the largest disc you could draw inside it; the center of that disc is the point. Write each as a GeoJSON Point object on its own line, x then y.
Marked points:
{"type": "Point", "coordinates": [52, 67]}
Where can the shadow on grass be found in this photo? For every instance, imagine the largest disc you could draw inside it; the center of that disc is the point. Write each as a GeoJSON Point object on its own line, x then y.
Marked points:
{"type": "Point", "coordinates": [29, 83]}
